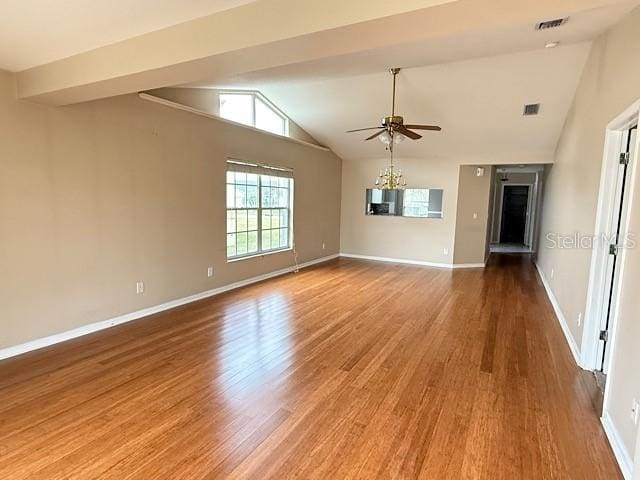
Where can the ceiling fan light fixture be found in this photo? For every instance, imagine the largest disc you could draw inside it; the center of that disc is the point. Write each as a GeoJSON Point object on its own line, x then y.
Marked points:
{"type": "Point", "coordinates": [398, 138]}
{"type": "Point", "coordinates": [385, 137]}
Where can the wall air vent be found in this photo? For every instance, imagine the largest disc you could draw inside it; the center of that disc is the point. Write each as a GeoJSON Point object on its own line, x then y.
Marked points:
{"type": "Point", "coordinates": [531, 109]}
{"type": "Point", "coordinates": [551, 23]}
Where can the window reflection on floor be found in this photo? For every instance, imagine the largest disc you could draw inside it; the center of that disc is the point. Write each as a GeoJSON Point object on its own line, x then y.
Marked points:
{"type": "Point", "coordinates": [255, 347]}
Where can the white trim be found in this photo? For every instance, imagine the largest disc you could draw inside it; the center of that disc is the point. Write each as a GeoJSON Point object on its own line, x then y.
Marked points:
{"type": "Point", "coordinates": [179, 106]}
{"type": "Point", "coordinates": [599, 257]}
{"type": "Point", "coordinates": [467, 265]}
{"type": "Point", "coordinates": [413, 262]}
{"type": "Point", "coordinates": [128, 317]}
{"type": "Point", "coordinates": [617, 445]}
{"type": "Point", "coordinates": [573, 346]}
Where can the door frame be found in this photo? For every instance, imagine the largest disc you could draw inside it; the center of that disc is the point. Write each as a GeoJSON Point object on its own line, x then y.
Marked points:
{"type": "Point", "coordinates": [527, 227]}
{"type": "Point", "coordinates": [614, 138]}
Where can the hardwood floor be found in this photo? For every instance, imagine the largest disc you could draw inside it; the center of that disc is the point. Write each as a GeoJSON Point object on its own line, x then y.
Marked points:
{"type": "Point", "coordinates": [351, 369]}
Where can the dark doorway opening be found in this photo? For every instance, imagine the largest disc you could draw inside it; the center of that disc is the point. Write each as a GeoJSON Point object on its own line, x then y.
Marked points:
{"type": "Point", "coordinates": [515, 203]}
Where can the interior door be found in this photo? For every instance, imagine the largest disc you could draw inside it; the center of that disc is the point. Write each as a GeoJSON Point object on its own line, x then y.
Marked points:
{"type": "Point", "coordinates": [618, 220]}
{"type": "Point", "coordinates": [515, 202]}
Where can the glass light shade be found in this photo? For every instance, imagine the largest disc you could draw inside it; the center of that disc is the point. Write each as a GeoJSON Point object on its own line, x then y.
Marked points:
{"type": "Point", "coordinates": [398, 138]}
{"type": "Point", "coordinates": [385, 137]}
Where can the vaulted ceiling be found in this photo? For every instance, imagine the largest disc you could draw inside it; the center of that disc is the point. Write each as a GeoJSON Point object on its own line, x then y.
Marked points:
{"type": "Point", "coordinates": [468, 65]}
{"type": "Point", "coordinates": [479, 104]}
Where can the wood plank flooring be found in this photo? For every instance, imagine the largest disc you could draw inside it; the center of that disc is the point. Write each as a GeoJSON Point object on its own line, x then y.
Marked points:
{"type": "Point", "coordinates": [351, 369]}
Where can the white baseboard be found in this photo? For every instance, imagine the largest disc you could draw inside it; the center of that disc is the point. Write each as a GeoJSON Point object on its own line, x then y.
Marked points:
{"type": "Point", "coordinates": [573, 346]}
{"type": "Point", "coordinates": [467, 265]}
{"type": "Point", "coordinates": [128, 317]}
{"type": "Point", "coordinates": [413, 262]}
{"type": "Point", "coordinates": [619, 450]}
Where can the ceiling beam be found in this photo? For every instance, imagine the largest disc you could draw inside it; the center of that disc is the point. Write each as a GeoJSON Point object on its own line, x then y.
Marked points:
{"type": "Point", "coordinates": [267, 34]}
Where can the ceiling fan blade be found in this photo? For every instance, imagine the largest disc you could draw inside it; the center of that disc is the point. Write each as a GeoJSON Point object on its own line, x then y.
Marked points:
{"type": "Point", "coordinates": [376, 134]}
{"type": "Point", "coordinates": [435, 128]}
{"type": "Point", "coordinates": [408, 133]}
{"type": "Point", "coordinates": [362, 129]}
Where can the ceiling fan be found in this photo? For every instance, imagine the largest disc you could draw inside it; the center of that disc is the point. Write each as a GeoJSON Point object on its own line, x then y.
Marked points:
{"type": "Point", "coordinates": [393, 129]}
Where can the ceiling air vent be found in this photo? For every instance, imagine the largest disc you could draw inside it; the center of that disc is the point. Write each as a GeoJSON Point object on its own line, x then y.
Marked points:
{"type": "Point", "coordinates": [551, 23]}
{"type": "Point", "coordinates": [531, 109]}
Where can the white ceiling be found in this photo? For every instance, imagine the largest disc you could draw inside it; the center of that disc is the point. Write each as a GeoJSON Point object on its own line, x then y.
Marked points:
{"type": "Point", "coordinates": [34, 32]}
{"type": "Point", "coordinates": [477, 102]}
{"type": "Point", "coordinates": [473, 84]}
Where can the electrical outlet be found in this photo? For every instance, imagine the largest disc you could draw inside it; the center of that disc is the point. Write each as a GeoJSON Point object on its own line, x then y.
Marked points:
{"type": "Point", "coordinates": [445, 251]}
{"type": "Point", "coordinates": [580, 319]}
{"type": "Point", "coordinates": [635, 411]}
{"type": "Point", "coordinates": [210, 272]}
{"type": "Point", "coordinates": [552, 272]}
{"type": "Point", "coordinates": [324, 245]}
{"type": "Point", "coordinates": [139, 288]}
{"type": "Point", "coordinates": [475, 216]}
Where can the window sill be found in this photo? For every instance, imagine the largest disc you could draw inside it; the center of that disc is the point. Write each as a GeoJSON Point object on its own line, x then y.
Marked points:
{"type": "Point", "coordinates": [258, 255]}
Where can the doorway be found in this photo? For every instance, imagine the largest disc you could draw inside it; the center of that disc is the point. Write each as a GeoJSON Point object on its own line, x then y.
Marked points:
{"type": "Point", "coordinates": [616, 241]}
{"type": "Point", "coordinates": [515, 207]}
{"type": "Point", "coordinates": [610, 247]}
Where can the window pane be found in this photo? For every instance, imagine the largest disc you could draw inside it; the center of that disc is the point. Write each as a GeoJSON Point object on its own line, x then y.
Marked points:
{"type": "Point", "coordinates": [284, 237]}
{"type": "Point", "coordinates": [252, 242]}
{"type": "Point", "coordinates": [241, 178]}
{"type": "Point", "coordinates": [266, 197]}
{"type": "Point", "coordinates": [267, 119]}
{"type": "Point", "coordinates": [252, 222]}
{"type": "Point", "coordinates": [283, 197]}
{"type": "Point", "coordinates": [252, 179]}
{"type": "Point", "coordinates": [283, 218]}
{"type": "Point", "coordinates": [231, 245]}
{"type": "Point", "coordinates": [231, 196]}
{"type": "Point", "coordinates": [252, 196]}
{"type": "Point", "coordinates": [231, 221]}
{"type": "Point", "coordinates": [266, 239]}
{"type": "Point", "coordinates": [241, 196]}
{"type": "Point", "coordinates": [275, 238]}
{"type": "Point", "coordinates": [275, 219]}
{"type": "Point", "coordinates": [283, 182]}
{"type": "Point", "coordinates": [237, 107]}
{"type": "Point", "coordinates": [241, 220]}
{"type": "Point", "coordinates": [241, 243]}
{"type": "Point", "coordinates": [266, 219]}
{"type": "Point", "coordinates": [266, 180]}
{"type": "Point", "coordinates": [230, 177]}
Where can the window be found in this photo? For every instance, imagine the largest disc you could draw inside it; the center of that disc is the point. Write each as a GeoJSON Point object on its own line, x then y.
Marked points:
{"type": "Point", "coordinates": [416, 202]}
{"type": "Point", "coordinates": [258, 212]}
{"type": "Point", "coordinates": [422, 202]}
{"type": "Point", "coordinates": [252, 109]}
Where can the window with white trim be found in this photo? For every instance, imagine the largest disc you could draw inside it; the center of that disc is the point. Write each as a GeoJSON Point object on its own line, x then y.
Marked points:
{"type": "Point", "coordinates": [251, 108]}
{"type": "Point", "coordinates": [259, 201]}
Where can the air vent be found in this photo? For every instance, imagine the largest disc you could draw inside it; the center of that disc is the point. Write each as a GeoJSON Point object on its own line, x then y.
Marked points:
{"type": "Point", "coordinates": [531, 109]}
{"type": "Point", "coordinates": [551, 23]}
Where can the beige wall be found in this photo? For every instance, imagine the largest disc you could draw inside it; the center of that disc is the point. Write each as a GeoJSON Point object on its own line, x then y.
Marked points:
{"type": "Point", "coordinates": [207, 100]}
{"type": "Point", "coordinates": [474, 195]}
{"type": "Point", "coordinates": [422, 239]}
{"type": "Point", "coordinates": [610, 83]}
{"type": "Point", "coordinates": [97, 196]}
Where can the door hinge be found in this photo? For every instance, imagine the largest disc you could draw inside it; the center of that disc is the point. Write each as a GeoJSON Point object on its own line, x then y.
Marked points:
{"type": "Point", "coordinates": [604, 335]}
{"type": "Point", "coordinates": [613, 249]}
{"type": "Point", "coordinates": [624, 158]}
